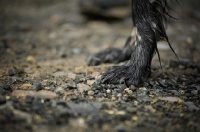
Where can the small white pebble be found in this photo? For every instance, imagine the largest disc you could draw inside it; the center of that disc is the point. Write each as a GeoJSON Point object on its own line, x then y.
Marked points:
{"type": "Point", "coordinates": [108, 91]}
{"type": "Point", "coordinates": [90, 93]}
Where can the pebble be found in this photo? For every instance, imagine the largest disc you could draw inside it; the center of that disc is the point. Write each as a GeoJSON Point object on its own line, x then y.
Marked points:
{"type": "Point", "coordinates": [60, 74]}
{"type": "Point", "coordinates": [85, 108]}
{"type": "Point", "coordinates": [192, 106]}
{"type": "Point", "coordinates": [127, 90]}
{"type": "Point", "coordinates": [120, 112]}
{"type": "Point", "coordinates": [134, 118]}
{"type": "Point", "coordinates": [148, 107]}
{"type": "Point", "coordinates": [180, 101]}
{"type": "Point", "coordinates": [106, 128]}
{"type": "Point", "coordinates": [7, 87]}
{"type": "Point", "coordinates": [31, 59]}
{"type": "Point", "coordinates": [119, 95]}
{"type": "Point", "coordinates": [120, 129]}
{"type": "Point", "coordinates": [26, 86]}
{"type": "Point", "coordinates": [23, 115]}
{"type": "Point", "coordinates": [76, 50]}
{"type": "Point", "coordinates": [90, 93]}
{"type": "Point", "coordinates": [143, 88]}
{"type": "Point", "coordinates": [108, 91]}
{"type": "Point", "coordinates": [23, 93]}
{"type": "Point", "coordinates": [70, 85]}
{"type": "Point", "coordinates": [131, 110]}
{"type": "Point", "coordinates": [133, 88]}
{"type": "Point", "coordinates": [37, 86]}
{"type": "Point", "coordinates": [83, 87]}
{"type": "Point", "coordinates": [113, 98]}
{"type": "Point", "coordinates": [12, 80]}
{"type": "Point", "coordinates": [170, 99]}
{"type": "Point", "coordinates": [39, 94]}
{"type": "Point", "coordinates": [4, 89]}
{"type": "Point", "coordinates": [90, 82]}
{"type": "Point", "coordinates": [175, 92]}
{"type": "Point", "coordinates": [71, 75]}
{"type": "Point", "coordinates": [78, 123]}
{"type": "Point", "coordinates": [121, 87]}
{"type": "Point", "coordinates": [111, 112]}
{"type": "Point", "coordinates": [189, 40]}
{"type": "Point", "coordinates": [46, 94]}
{"type": "Point", "coordinates": [29, 99]}
{"type": "Point", "coordinates": [58, 90]}
{"type": "Point", "coordinates": [44, 82]}
{"type": "Point", "coordinates": [62, 54]}
{"type": "Point", "coordinates": [47, 88]}
{"type": "Point", "coordinates": [182, 92]}
{"type": "Point", "coordinates": [142, 93]}
{"type": "Point", "coordinates": [95, 74]}
{"type": "Point", "coordinates": [195, 92]}
{"type": "Point", "coordinates": [162, 83]}
{"type": "Point", "coordinates": [12, 72]}
{"type": "Point", "coordinates": [101, 95]}
{"type": "Point", "coordinates": [37, 118]}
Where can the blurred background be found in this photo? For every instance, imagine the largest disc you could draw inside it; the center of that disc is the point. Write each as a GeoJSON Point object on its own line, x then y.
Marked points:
{"type": "Point", "coordinates": [62, 33]}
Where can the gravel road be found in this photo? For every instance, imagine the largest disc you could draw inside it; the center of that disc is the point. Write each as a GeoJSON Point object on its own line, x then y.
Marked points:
{"type": "Point", "coordinates": [46, 85]}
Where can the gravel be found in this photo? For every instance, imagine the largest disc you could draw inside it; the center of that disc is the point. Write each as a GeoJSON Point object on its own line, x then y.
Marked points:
{"type": "Point", "coordinates": [37, 86]}
{"type": "Point", "coordinates": [54, 89]}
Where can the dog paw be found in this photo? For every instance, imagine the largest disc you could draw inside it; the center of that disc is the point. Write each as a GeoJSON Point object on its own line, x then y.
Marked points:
{"type": "Point", "coordinates": [110, 55]}
{"type": "Point", "coordinates": [126, 74]}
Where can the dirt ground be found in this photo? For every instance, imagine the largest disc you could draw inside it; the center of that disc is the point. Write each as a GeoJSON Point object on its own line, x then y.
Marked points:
{"type": "Point", "coordinates": [46, 85]}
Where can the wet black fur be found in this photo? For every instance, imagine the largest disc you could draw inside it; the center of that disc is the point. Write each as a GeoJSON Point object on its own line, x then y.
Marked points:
{"type": "Point", "coordinates": [113, 55]}
{"type": "Point", "coordinates": [148, 17]}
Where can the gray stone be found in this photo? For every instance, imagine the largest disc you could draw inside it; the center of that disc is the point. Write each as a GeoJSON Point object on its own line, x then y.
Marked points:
{"type": "Point", "coordinates": [85, 108]}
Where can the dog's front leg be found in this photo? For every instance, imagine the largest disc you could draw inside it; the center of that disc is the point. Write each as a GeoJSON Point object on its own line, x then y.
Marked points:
{"type": "Point", "coordinates": [114, 55]}
{"type": "Point", "coordinates": [139, 66]}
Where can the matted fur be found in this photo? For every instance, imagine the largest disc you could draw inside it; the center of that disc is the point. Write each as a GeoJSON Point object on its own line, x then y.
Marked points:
{"type": "Point", "coordinates": [148, 19]}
